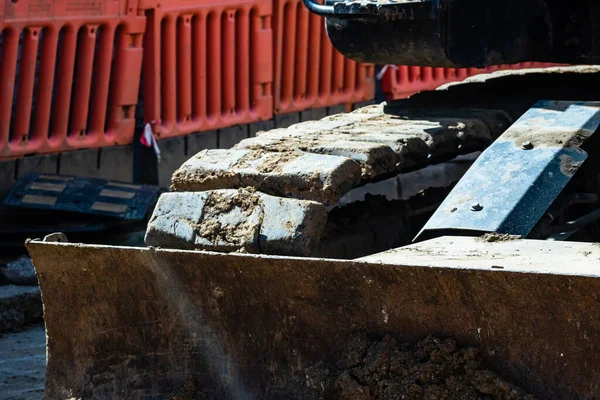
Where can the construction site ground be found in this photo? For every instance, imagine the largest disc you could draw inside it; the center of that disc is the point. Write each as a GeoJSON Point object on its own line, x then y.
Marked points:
{"type": "Point", "coordinates": [23, 363]}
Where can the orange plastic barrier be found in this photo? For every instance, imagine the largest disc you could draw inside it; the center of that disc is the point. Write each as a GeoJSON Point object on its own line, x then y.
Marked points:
{"type": "Point", "coordinates": [402, 81]}
{"type": "Point", "coordinates": [69, 74]}
{"type": "Point", "coordinates": [309, 72]}
{"type": "Point", "coordinates": [207, 65]}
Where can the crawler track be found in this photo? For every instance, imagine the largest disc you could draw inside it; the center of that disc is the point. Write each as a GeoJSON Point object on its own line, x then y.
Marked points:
{"type": "Point", "coordinates": [318, 163]}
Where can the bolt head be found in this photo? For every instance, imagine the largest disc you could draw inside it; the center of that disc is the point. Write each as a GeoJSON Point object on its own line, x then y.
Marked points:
{"type": "Point", "coordinates": [476, 207]}
{"type": "Point", "coordinates": [527, 145]}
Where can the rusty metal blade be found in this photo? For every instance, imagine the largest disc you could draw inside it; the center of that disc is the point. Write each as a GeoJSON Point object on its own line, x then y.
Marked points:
{"type": "Point", "coordinates": [129, 323]}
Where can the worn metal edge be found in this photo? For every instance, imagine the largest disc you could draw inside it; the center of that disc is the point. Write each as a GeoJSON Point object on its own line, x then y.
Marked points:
{"type": "Point", "coordinates": [447, 252]}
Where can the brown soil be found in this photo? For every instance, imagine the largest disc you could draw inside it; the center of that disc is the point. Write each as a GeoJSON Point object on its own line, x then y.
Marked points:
{"type": "Point", "coordinates": [273, 162]}
{"type": "Point", "coordinates": [186, 181]}
{"type": "Point", "coordinates": [384, 369]}
{"type": "Point", "coordinates": [244, 233]}
{"type": "Point", "coordinates": [276, 161]}
{"type": "Point", "coordinates": [387, 369]}
{"type": "Point", "coordinates": [497, 237]}
{"type": "Point", "coordinates": [568, 166]}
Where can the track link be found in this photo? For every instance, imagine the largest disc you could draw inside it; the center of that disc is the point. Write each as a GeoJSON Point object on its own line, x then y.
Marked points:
{"type": "Point", "coordinates": [323, 160]}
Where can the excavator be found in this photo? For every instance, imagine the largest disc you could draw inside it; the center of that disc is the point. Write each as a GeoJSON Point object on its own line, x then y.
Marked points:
{"type": "Point", "coordinates": [443, 246]}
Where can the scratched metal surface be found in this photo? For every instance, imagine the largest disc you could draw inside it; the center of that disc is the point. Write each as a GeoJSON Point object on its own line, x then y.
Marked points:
{"type": "Point", "coordinates": [127, 323]}
{"type": "Point", "coordinates": [515, 180]}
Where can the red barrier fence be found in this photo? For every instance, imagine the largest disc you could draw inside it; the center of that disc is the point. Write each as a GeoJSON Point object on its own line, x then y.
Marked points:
{"type": "Point", "coordinates": [402, 81]}
{"type": "Point", "coordinates": [70, 70]}
{"type": "Point", "coordinates": [65, 74]}
{"type": "Point", "coordinates": [207, 65]}
{"type": "Point", "coordinates": [309, 72]}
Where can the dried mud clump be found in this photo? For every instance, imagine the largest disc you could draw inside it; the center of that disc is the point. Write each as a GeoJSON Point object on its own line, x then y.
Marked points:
{"type": "Point", "coordinates": [376, 369]}
{"type": "Point", "coordinates": [386, 369]}
{"type": "Point", "coordinates": [497, 237]}
{"type": "Point", "coordinates": [232, 220]}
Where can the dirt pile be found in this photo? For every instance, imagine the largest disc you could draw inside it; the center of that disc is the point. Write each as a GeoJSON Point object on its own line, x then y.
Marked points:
{"type": "Point", "coordinates": [386, 369]}
{"type": "Point", "coordinates": [382, 369]}
{"type": "Point", "coordinates": [498, 237]}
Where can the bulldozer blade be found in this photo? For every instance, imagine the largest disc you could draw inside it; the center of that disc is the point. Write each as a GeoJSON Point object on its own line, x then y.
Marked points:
{"type": "Point", "coordinates": [133, 323]}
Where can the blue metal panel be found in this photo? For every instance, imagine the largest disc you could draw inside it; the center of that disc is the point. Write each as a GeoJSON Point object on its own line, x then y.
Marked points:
{"type": "Point", "coordinates": [514, 182]}
{"type": "Point", "coordinates": [83, 195]}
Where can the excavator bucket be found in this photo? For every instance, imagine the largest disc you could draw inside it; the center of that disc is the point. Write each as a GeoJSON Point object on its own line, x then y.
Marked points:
{"type": "Point", "coordinates": [251, 286]}
{"type": "Point", "coordinates": [145, 323]}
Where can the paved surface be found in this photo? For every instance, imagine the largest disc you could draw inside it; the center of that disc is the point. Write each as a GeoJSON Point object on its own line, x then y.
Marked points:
{"type": "Point", "coordinates": [22, 364]}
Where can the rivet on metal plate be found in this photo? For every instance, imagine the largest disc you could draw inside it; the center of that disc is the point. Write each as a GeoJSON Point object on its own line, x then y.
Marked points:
{"type": "Point", "coordinates": [476, 207]}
